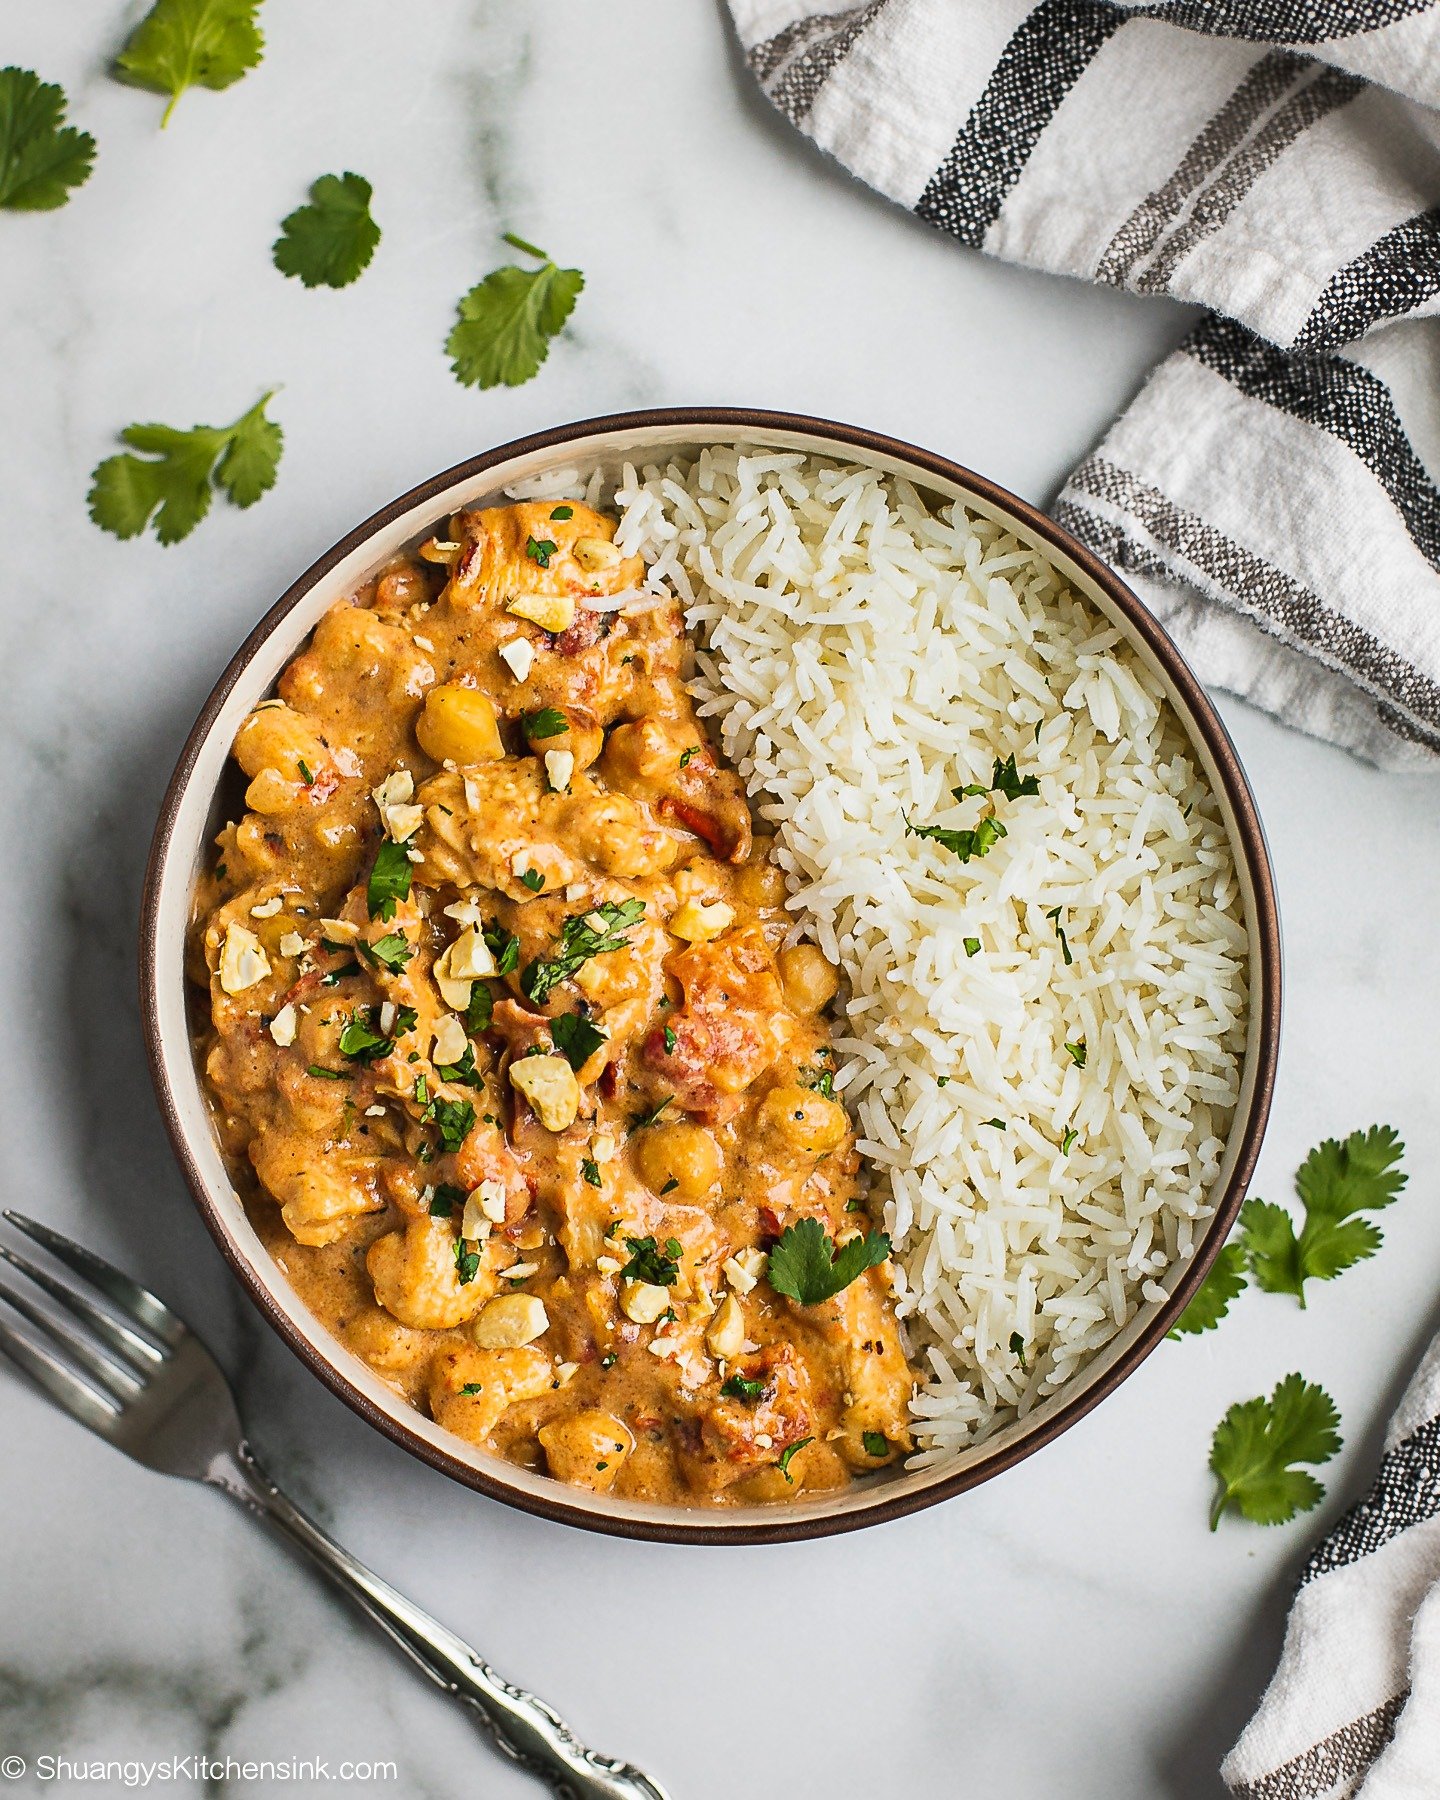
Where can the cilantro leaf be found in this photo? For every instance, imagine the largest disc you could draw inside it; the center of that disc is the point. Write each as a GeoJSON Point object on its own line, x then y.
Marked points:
{"type": "Point", "coordinates": [454, 1117]}
{"type": "Point", "coordinates": [575, 1038]}
{"type": "Point", "coordinates": [481, 1010]}
{"type": "Point", "coordinates": [41, 158]}
{"type": "Point", "coordinates": [389, 952]}
{"type": "Point", "coordinates": [964, 844]}
{"type": "Point", "coordinates": [876, 1443]}
{"type": "Point", "coordinates": [1008, 781]}
{"type": "Point", "coordinates": [1337, 1181]}
{"type": "Point", "coordinates": [506, 322]}
{"type": "Point", "coordinates": [173, 481]}
{"type": "Point", "coordinates": [742, 1387]}
{"type": "Point", "coordinates": [389, 880]}
{"type": "Point", "coordinates": [181, 44]}
{"type": "Point", "coordinates": [504, 946]}
{"type": "Point", "coordinates": [782, 1462]}
{"type": "Point", "coordinates": [582, 936]}
{"type": "Point", "coordinates": [547, 723]}
{"type": "Point", "coordinates": [1211, 1300]}
{"type": "Point", "coordinates": [329, 243]}
{"type": "Point", "coordinates": [649, 1263]}
{"type": "Point", "coordinates": [805, 1265]}
{"type": "Point", "coordinates": [1256, 1445]}
{"type": "Point", "coordinates": [446, 1198]}
{"type": "Point", "coordinates": [590, 1170]}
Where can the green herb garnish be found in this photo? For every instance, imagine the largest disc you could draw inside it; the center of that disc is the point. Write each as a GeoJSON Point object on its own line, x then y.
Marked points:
{"type": "Point", "coordinates": [506, 322]}
{"type": "Point", "coordinates": [603, 928]}
{"type": "Point", "coordinates": [389, 952]}
{"type": "Point", "coordinates": [445, 1199]}
{"type": "Point", "coordinates": [805, 1265]}
{"type": "Point", "coordinates": [1067, 1143]}
{"type": "Point", "coordinates": [575, 1038]}
{"type": "Point", "coordinates": [454, 1117]}
{"type": "Point", "coordinates": [41, 157]}
{"type": "Point", "coordinates": [325, 1074]}
{"type": "Point", "coordinates": [972, 946]}
{"type": "Point", "coordinates": [471, 1387]}
{"type": "Point", "coordinates": [532, 879]}
{"type": "Point", "coordinates": [963, 844]}
{"type": "Point", "coordinates": [1007, 780]}
{"type": "Point", "coordinates": [1017, 1348]}
{"type": "Point", "coordinates": [742, 1387]}
{"type": "Point", "coordinates": [1211, 1300]}
{"type": "Point", "coordinates": [590, 1171]}
{"type": "Point", "coordinates": [649, 1263]}
{"type": "Point", "coordinates": [1259, 1441]}
{"type": "Point", "coordinates": [181, 44]}
{"type": "Point", "coordinates": [1077, 1052]}
{"type": "Point", "coordinates": [467, 1261]}
{"type": "Point", "coordinates": [389, 880]}
{"type": "Point", "coordinates": [329, 242]}
{"type": "Point", "coordinates": [563, 512]}
{"type": "Point", "coordinates": [503, 945]}
{"type": "Point", "coordinates": [686, 755]}
{"type": "Point", "coordinates": [782, 1462]}
{"type": "Point", "coordinates": [640, 1120]}
{"type": "Point", "coordinates": [548, 722]}
{"type": "Point", "coordinates": [875, 1443]}
{"type": "Point", "coordinates": [174, 479]}
{"type": "Point", "coordinates": [1054, 917]}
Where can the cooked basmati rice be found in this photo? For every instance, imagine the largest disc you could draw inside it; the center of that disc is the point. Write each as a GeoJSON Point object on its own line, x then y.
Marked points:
{"type": "Point", "coordinates": [862, 653]}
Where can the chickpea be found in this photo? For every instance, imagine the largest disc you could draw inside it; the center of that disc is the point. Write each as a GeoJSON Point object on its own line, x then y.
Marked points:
{"type": "Point", "coordinates": [683, 1153]}
{"type": "Point", "coordinates": [458, 725]}
{"type": "Point", "coordinates": [809, 980]}
{"type": "Point", "coordinates": [804, 1118]}
{"type": "Point", "coordinates": [760, 883]}
{"type": "Point", "coordinates": [400, 588]}
{"type": "Point", "coordinates": [582, 737]}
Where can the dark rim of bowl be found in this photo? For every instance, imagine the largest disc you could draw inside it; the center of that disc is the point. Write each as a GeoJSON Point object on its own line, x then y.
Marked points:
{"type": "Point", "coordinates": [699, 1526]}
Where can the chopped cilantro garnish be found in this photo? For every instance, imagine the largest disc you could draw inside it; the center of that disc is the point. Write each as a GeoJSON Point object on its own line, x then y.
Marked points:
{"type": "Point", "coordinates": [1007, 780]}
{"type": "Point", "coordinates": [670, 1185]}
{"type": "Point", "coordinates": [609, 1360]}
{"type": "Point", "coordinates": [390, 952]}
{"type": "Point", "coordinates": [875, 1443]}
{"type": "Point", "coordinates": [455, 1119]}
{"type": "Point", "coordinates": [782, 1462]}
{"type": "Point", "coordinates": [806, 1267]}
{"type": "Point", "coordinates": [649, 1263]}
{"type": "Point", "coordinates": [548, 722]}
{"type": "Point", "coordinates": [467, 1261]}
{"type": "Point", "coordinates": [582, 936]}
{"type": "Point", "coordinates": [964, 844]}
{"type": "Point", "coordinates": [463, 1072]}
{"type": "Point", "coordinates": [326, 1074]}
{"type": "Point", "coordinates": [540, 551]}
{"type": "Point", "coordinates": [481, 1009]}
{"type": "Point", "coordinates": [590, 1170]}
{"type": "Point", "coordinates": [653, 1117]}
{"type": "Point", "coordinates": [563, 512]}
{"type": "Point", "coordinates": [445, 1199]}
{"type": "Point", "coordinates": [1054, 917]}
{"type": "Point", "coordinates": [999, 1124]}
{"type": "Point", "coordinates": [1067, 1143]}
{"type": "Point", "coordinates": [1017, 1348]}
{"type": "Point", "coordinates": [972, 946]}
{"type": "Point", "coordinates": [305, 774]}
{"type": "Point", "coordinates": [532, 879]}
{"type": "Point", "coordinates": [669, 1039]}
{"type": "Point", "coordinates": [1077, 1052]}
{"type": "Point", "coordinates": [389, 880]}
{"type": "Point", "coordinates": [503, 945]}
{"type": "Point", "coordinates": [742, 1387]}
{"type": "Point", "coordinates": [471, 1387]}
{"type": "Point", "coordinates": [687, 754]}
{"type": "Point", "coordinates": [575, 1038]}
{"type": "Point", "coordinates": [362, 1039]}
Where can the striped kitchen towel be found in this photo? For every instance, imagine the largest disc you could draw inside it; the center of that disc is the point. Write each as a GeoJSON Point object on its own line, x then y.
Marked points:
{"type": "Point", "coordinates": [1272, 491]}
{"type": "Point", "coordinates": [1354, 1708]}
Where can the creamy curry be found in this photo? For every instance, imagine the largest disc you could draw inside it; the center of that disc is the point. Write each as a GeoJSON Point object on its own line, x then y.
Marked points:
{"type": "Point", "coordinates": [511, 1048]}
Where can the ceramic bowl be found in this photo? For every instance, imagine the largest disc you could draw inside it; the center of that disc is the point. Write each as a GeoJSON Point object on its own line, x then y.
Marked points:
{"type": "Point", "coordinates": [189, 818]}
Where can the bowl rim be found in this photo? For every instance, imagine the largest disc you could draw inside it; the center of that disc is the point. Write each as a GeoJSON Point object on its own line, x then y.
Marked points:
{"type": "Point", "coordinates": [698, 1525]}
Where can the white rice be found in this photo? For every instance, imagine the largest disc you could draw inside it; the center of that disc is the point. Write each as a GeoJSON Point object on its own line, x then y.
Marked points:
{"type": "Point", "coordinates": [862, 653]}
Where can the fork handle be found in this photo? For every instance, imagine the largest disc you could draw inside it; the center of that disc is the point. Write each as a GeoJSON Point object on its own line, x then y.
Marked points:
{"type": "Point", "coordinates": [521, 1725]}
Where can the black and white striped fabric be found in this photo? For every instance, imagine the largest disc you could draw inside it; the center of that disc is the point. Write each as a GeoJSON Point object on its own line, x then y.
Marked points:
{"type": "Point", "coordinates": [1354, 1707]}
{"type": "Point", "coordinates": [1272, 492]}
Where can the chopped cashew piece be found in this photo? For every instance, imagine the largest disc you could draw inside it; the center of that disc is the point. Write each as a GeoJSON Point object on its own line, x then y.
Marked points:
{"type": "Point", "coordinates": [466, 912]}
{"type": "Point", "coordinates": [393, 795]}
{"type": "Point", "coordinates": [450, 1040]}
{"type": "Point", "coordinates": [744, 1269]}
{"type": "Point", "coordinates": [698, 924]}
{"type": "Point", "coordinates": [282, 1026]}
{"type": "Point", "coordinates": [292, 944]}
{"type": "Point", "coordinates": [474, 1222]}
{"type": "Point", "coordinates": [559, 767]}
{"type": "Point", "coordinates": [491, 1198]}
{"type": "Point", "coordinates": [339, 930]}
{"type": "Point", "coordinates": [242, 961]}
{"type": "Point", "coordinates": [267, 909]}
{"type": "Point", "coordinates": [518, 655]}
{"type": "Point", "coordinates": [510, 1320]}
{"type": "Point", "coordinates": [552, 612]}
{"type": "Point", "coordinates": [727, 1329]}
{"type": "Point", "coordinates": [470, 957]}
{"type": "Point", "coordinates": [594, 554]}
{"type": "Point", "coordinates": [644, 1301]}
{"type": "Point", "coordinates": [549, 1084]}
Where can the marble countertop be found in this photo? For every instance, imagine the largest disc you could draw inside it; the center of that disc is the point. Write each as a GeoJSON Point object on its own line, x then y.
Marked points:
{"type": "Point", "coordinates": [1071, 1629]}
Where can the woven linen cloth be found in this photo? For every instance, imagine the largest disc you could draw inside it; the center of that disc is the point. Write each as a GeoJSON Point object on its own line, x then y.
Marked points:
{"type": "Point", "coordinates": [1354, 1707]}
{"type": "Point", "coordinates": [1271, 493]}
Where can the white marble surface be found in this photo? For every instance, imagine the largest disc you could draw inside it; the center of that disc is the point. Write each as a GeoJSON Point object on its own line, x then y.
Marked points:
{"type": "Point", "coordinates": [1069, 1630]}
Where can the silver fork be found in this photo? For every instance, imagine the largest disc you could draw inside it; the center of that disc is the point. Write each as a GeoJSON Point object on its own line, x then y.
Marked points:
{"type": "Point", "coordinates": [141, 1379]}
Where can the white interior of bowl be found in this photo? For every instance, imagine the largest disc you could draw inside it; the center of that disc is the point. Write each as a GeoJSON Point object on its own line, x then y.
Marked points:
{"type": "Point", "coordinates": [190, 841]}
